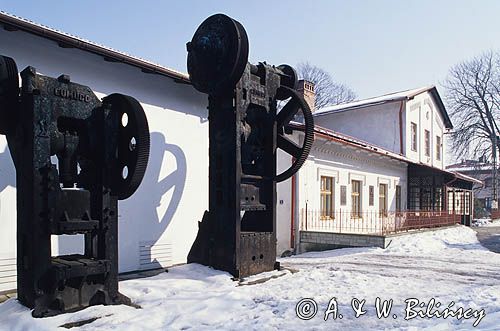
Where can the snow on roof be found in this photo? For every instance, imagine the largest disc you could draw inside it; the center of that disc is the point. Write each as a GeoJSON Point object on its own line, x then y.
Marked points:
{"type": "Point", "coordinates": [469, 168]}
{"type": "Point", "coordinates": [12, 23]}
{"type": "Point", "coordinates": [396, 96]}
{"type": "Point", "coordinates": [391, 97]}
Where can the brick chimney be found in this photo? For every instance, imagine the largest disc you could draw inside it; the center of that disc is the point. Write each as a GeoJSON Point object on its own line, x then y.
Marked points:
{"type": "Point", "coordinates": [306, 89]}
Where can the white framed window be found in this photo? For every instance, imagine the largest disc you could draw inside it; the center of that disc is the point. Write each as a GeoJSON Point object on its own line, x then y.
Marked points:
{"type": "Point", "coordinates": [326, 197]}
{"type": "Point", "coordinates": [356, 198]}
{"type": "Point", "coordinates": [414, 136]}
{"type": "Point", "coordinates": [438, 148]}
{"type": "Point", "coordinates": [382, 199]}
{"type": "Point", "coordinates": [427, 140]}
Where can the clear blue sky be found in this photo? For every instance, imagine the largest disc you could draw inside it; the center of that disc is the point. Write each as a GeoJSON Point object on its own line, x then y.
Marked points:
{"type": "Point", "coordinates": [375, 47]}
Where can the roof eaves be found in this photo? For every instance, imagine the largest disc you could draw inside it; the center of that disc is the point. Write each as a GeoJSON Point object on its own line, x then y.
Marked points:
{"type": "Point", "coordinates": [12, 23]}
{"type": "Point", "coordinates": [439, 102]}
{"type": "Point", "coordinates": [467, 178]}
{"type": "Point", "coordinates": [374, 101]}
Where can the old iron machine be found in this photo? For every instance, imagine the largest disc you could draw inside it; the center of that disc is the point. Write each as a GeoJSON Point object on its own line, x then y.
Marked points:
{"type": "Point", "coordinates": [75, 157]}
{"type": "Point", "coordinates": [238, 232]}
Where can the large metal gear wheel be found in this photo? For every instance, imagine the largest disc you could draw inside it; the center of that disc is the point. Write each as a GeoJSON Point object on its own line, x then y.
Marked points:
{"type": "Point", "coordinates": [217, 54]}
{"type": "Point", "coordinates": [132, 144]}
{"type": "Point", "coordinates": [9, 94]}
{"type": "Point", "coordinates": [286, 114]}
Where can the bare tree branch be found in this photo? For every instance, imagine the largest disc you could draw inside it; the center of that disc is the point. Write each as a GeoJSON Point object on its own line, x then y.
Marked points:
{"type": "Point", "coordinates": [473, 101]}
{"type": "Point", "coordinates": [328, 92]}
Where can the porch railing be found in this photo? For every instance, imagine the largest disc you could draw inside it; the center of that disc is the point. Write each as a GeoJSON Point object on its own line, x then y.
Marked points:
{"type": "Point", "coordinates": [374, 222]}
{"type": "Point", "coordinates": [495, 214]}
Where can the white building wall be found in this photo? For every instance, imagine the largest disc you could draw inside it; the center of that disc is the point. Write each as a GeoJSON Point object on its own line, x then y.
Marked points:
{"type": "Point", "coordinates": [378, 124]}
{"type": "Point", "coordinates": [423, 111]}
{"type": "Point", "coordinates": [284, 205]}
{"type": "Point", "coordinates": [344, 163]}
{"type": "Point", "coordinates": [171, 200]}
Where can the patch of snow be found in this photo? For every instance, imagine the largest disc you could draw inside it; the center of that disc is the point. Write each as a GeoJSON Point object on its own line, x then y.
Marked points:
{"type": "Point", "coordinates": [481, 222]}
{"type": "Point", "coordinates": [494, 223]}
{"type": "Point", "coordinates": [448, 265]}
{"type": "Point", "coordinates": [486, 222]}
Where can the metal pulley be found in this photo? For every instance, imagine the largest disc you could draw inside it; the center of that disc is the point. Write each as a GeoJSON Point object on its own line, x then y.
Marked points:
{"type": "Point", "coordinates": [131, 155]}
{"type": "Point", "coordinates": [217, 54]}
{"type": "Point", "coordinates": [9, 94]}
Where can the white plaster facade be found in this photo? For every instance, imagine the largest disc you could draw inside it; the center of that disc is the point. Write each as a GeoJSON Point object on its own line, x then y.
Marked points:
{"type": "Point", "coordinates": [377, 124]}
{"type": "Point", "coordinates": [344, 163]}
{"type": "Point", "coordinates": [422, 110]}
{"type": "Point", "coordinates": [386, 122]}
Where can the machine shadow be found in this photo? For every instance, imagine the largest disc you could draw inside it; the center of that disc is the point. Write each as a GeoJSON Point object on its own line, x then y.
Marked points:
{"type": "Point", "coordinates": [7, 170]}
{"type": "Point", "coordinates": [143, 211]}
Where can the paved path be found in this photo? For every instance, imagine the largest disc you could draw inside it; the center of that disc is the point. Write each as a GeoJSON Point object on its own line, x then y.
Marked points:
{"type": "Point", "coordinates": [489, 236]}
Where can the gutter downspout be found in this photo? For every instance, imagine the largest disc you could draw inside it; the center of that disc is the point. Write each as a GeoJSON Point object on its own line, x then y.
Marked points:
{"type": "Point", "coordinates": [292, 212]}
{"type": "Point", "coordinates": [401, 128]}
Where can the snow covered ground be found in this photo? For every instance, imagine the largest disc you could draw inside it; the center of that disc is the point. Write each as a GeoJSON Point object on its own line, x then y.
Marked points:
{"type": "Point", "coordinates": [485, 222]}
{"type": "Point", "coordinates": [448, 265]}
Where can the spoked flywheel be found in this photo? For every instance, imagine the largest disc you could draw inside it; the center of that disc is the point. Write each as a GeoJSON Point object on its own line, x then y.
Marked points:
{"type": "Point", "coordinates": [9, 92]}
{"type": "Point", "coordinates": [286, 114]}
{"type": "Point", "coordinates": [132, 144]}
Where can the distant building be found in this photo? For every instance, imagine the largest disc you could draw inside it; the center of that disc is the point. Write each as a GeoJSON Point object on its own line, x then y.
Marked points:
{"type": "Point", "coordinates": [376, 167]}
{"type": "Point", "coordinates": [482, 170]}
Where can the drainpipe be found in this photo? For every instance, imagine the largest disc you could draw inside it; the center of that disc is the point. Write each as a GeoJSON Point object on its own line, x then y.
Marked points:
{"type": "Point", "coordinates": [401, 128]}
{"type": "Point", "coordinates": [292, 212]}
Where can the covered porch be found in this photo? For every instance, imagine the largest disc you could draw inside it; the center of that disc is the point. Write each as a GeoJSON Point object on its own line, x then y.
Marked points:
{"type": "Point", "coordinates": [434, 190]}
{"type": "Point", "coordinates": [435, 198]}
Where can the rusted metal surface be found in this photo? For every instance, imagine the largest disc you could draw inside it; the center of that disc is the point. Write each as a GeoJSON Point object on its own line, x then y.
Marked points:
{"type": "Point", "coordinates": [238, 232]}
{"type": "Point", "coordinates": [100, 160]}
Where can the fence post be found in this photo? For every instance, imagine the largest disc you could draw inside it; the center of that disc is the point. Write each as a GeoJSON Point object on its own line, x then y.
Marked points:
{"type": "Point", "coordinates": [306, 216]}
{"type": "Point", "coordinates": [340, 221]}
{"type": "Point", "coordinates": [395, 220]}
